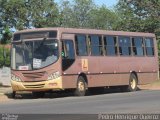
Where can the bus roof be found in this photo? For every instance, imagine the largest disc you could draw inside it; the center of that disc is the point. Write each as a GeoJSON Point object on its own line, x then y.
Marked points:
{"type": "Point", "coordinates": [89, 31]}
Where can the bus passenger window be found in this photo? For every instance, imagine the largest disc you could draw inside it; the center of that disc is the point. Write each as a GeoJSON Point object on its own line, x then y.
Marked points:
{"type": "Point", "coordinates": [149, 45]}
{"type": "Point", "coordinates": [137, 46]}
{"type": "Point", "coordinates": [110, 45]}
{"type": "Point", "coordinates": [81, 45]}
{"type": "Point", "coordinates": [124, 46]}
{"type": "Point", "coordinates": [96, 45]}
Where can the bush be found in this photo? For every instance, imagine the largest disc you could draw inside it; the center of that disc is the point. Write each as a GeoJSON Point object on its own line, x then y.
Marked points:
{"type": "Point", "coordinates": [1, 57]}
{"type": "Point", "coordinates": [3, 61]}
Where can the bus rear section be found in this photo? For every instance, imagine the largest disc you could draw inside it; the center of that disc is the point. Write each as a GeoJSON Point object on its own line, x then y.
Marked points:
{"type": "Point", "coordinates": [109, 59]}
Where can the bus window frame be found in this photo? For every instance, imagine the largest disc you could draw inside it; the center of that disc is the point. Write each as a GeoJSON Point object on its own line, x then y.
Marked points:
{"type": "Point", "coordinates": [143, 46]}
{"type": "Point", "coordinates": [115, 46]}
{"type": "Point", "coordinates": [153, 47]}
{"type": "Point", "coordinates": [76, 45]}
{"type": "Point", "coordinates": [89, 44]}
{"type": "Point", "coordinates": [122, 36]}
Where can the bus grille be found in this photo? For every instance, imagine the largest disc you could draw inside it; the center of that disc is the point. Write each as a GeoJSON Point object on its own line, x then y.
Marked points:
{"type": "Point", "coordinates": [34, 75]}
{"type": "Point", "coordinates": [34, 86]}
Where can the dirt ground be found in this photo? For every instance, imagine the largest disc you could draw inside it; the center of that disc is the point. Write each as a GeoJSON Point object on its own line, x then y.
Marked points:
{"type": "Point", "coordinates": [5, 92]}
{"type": "Point", "coordinates": [149, 87]}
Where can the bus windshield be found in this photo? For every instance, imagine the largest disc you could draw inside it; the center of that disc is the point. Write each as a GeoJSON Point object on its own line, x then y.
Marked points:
{"type": "Point", "coordinates": [31, 55]}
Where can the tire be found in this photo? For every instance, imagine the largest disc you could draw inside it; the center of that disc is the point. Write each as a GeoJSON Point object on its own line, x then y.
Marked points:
{"type": "Point", "coordinates": [133, 82]}
{"type": "Point", "coordinates": [13, 94]}
{"type": "Point", "coordinates": [81, 87]}
{"type": "Point", "coordinates": [38, 94]}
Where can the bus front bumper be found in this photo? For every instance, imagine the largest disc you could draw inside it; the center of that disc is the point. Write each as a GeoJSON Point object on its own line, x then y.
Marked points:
{"type": "Point", "coordinates": [55, 84]}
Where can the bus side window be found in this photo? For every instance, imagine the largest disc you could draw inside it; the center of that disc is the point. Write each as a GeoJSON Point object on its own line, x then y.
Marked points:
{"type": "Point", "coordinates": [96, 45]}
{"type": "Point", "coordinates": [110, 45]}
{"type": "Point", "coordinates": [149, 45]}
{"type": "Point", "coordinates": [137, 46]}
{"type": "Point", "coordinates": [124, 46]}
{"type": "Point", "coordinates": [68, 56]}
{"type": "Point", "coordinates": [81, 45]}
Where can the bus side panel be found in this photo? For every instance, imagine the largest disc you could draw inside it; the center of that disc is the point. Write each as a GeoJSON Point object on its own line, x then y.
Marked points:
{"type": "Point", "coordinates": [145, 78]}
{"type": "Point", "coordinates": [107, 80]}
{"type": "Point", "coordinates": [113, 70]}
{"type": "Point", "coordinates": [69, 81]}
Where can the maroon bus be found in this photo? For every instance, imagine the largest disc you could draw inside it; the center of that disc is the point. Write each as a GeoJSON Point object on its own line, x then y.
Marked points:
{"type": "Point", "coordinates": [54, 59]}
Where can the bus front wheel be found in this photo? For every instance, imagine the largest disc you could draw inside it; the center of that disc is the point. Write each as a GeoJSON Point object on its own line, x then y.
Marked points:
{"type": "Point", "coordinates": [81, 87]}
{"type": "Point", "coordinates": [13, 94]}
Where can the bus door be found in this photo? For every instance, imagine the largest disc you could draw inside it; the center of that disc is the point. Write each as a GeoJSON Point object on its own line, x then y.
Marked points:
{"type": "Point", "coordinates": [68, 51]}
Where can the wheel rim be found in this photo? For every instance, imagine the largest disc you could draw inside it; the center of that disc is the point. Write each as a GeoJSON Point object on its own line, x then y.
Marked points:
{"type": "Point", "coordinates": [81, 86]}
{"type": "Point", "coordinates": [133, 83]}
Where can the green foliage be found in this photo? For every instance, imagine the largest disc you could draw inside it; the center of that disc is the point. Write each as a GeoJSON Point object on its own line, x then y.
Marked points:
{"type": "Point", "coordinates": [22, 14]}
{"type": "Point", "coordinates": [13, 13]}
{"type": "Point", "coordinates": [85, 14]}
{"type": "Point", "coordinates": [6, 36]}
{"type": "Point", "coordinates": [103, 18]}
{"type": "Point", "coordinates": [7, 60]}
{"type": "Point", "coordinates": [1, 57]}
{"type": "Point", "coordinates": [76, 14]}
{"type": "Point", "coordinates": [42, 13]}
{"type": "Point", "coordinates": [139, 15]}
{"type": "Point", "coordinates": [81, 11]}
{"type": "Point", "coordinates": [4, 61]}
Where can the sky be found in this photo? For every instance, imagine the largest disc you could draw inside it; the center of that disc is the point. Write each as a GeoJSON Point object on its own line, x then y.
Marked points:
{"type": "Point", "coordinates": [108, 3]}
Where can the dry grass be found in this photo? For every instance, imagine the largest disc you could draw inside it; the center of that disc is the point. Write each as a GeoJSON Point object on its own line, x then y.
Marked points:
{"type": "Point", "coordinates": [156, 83]}
{"type": "Point", "coordinates": [153, 86]}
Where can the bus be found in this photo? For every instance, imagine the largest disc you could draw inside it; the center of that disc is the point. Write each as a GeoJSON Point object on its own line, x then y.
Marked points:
{"type": "Point", "coordinates": [57, 59]}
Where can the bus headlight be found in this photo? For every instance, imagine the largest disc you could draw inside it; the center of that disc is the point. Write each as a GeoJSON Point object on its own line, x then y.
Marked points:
{"type": "Point", "coordinates": [53, 76]}
{"type": "Point", "coordinates": [15, 78]}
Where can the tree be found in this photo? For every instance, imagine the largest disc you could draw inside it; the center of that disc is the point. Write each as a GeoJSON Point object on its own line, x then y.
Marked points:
{"type": "Point", "coordinates": [76, 13]}
{"type": "Point", "coordinates": [4, 51]}
{"type": "Point", "coordinates": [21, 14]}
{"type": "Point", "coordinates": [82, 9]}
{"type": "Point", "coordinates": [103, 18]}
{"type": "Point", "coordinates": [66, 15]}
{"type": "Point", "coordinates": [6, 35]}
{"type": "Point", "coordinates": [42, 13]}
{"type": "Point", "coordinates": [139, 15]}
{"type": "Point", "coordinates": [13, 13]}
{"type": "Point", "coordinates": [85, 14]}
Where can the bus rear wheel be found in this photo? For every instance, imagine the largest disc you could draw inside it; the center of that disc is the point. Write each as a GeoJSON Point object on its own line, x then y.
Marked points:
{"type": "Point", "coordinates": [81, 87]}
{"type": "Point", "coordinates": [133, 82]}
